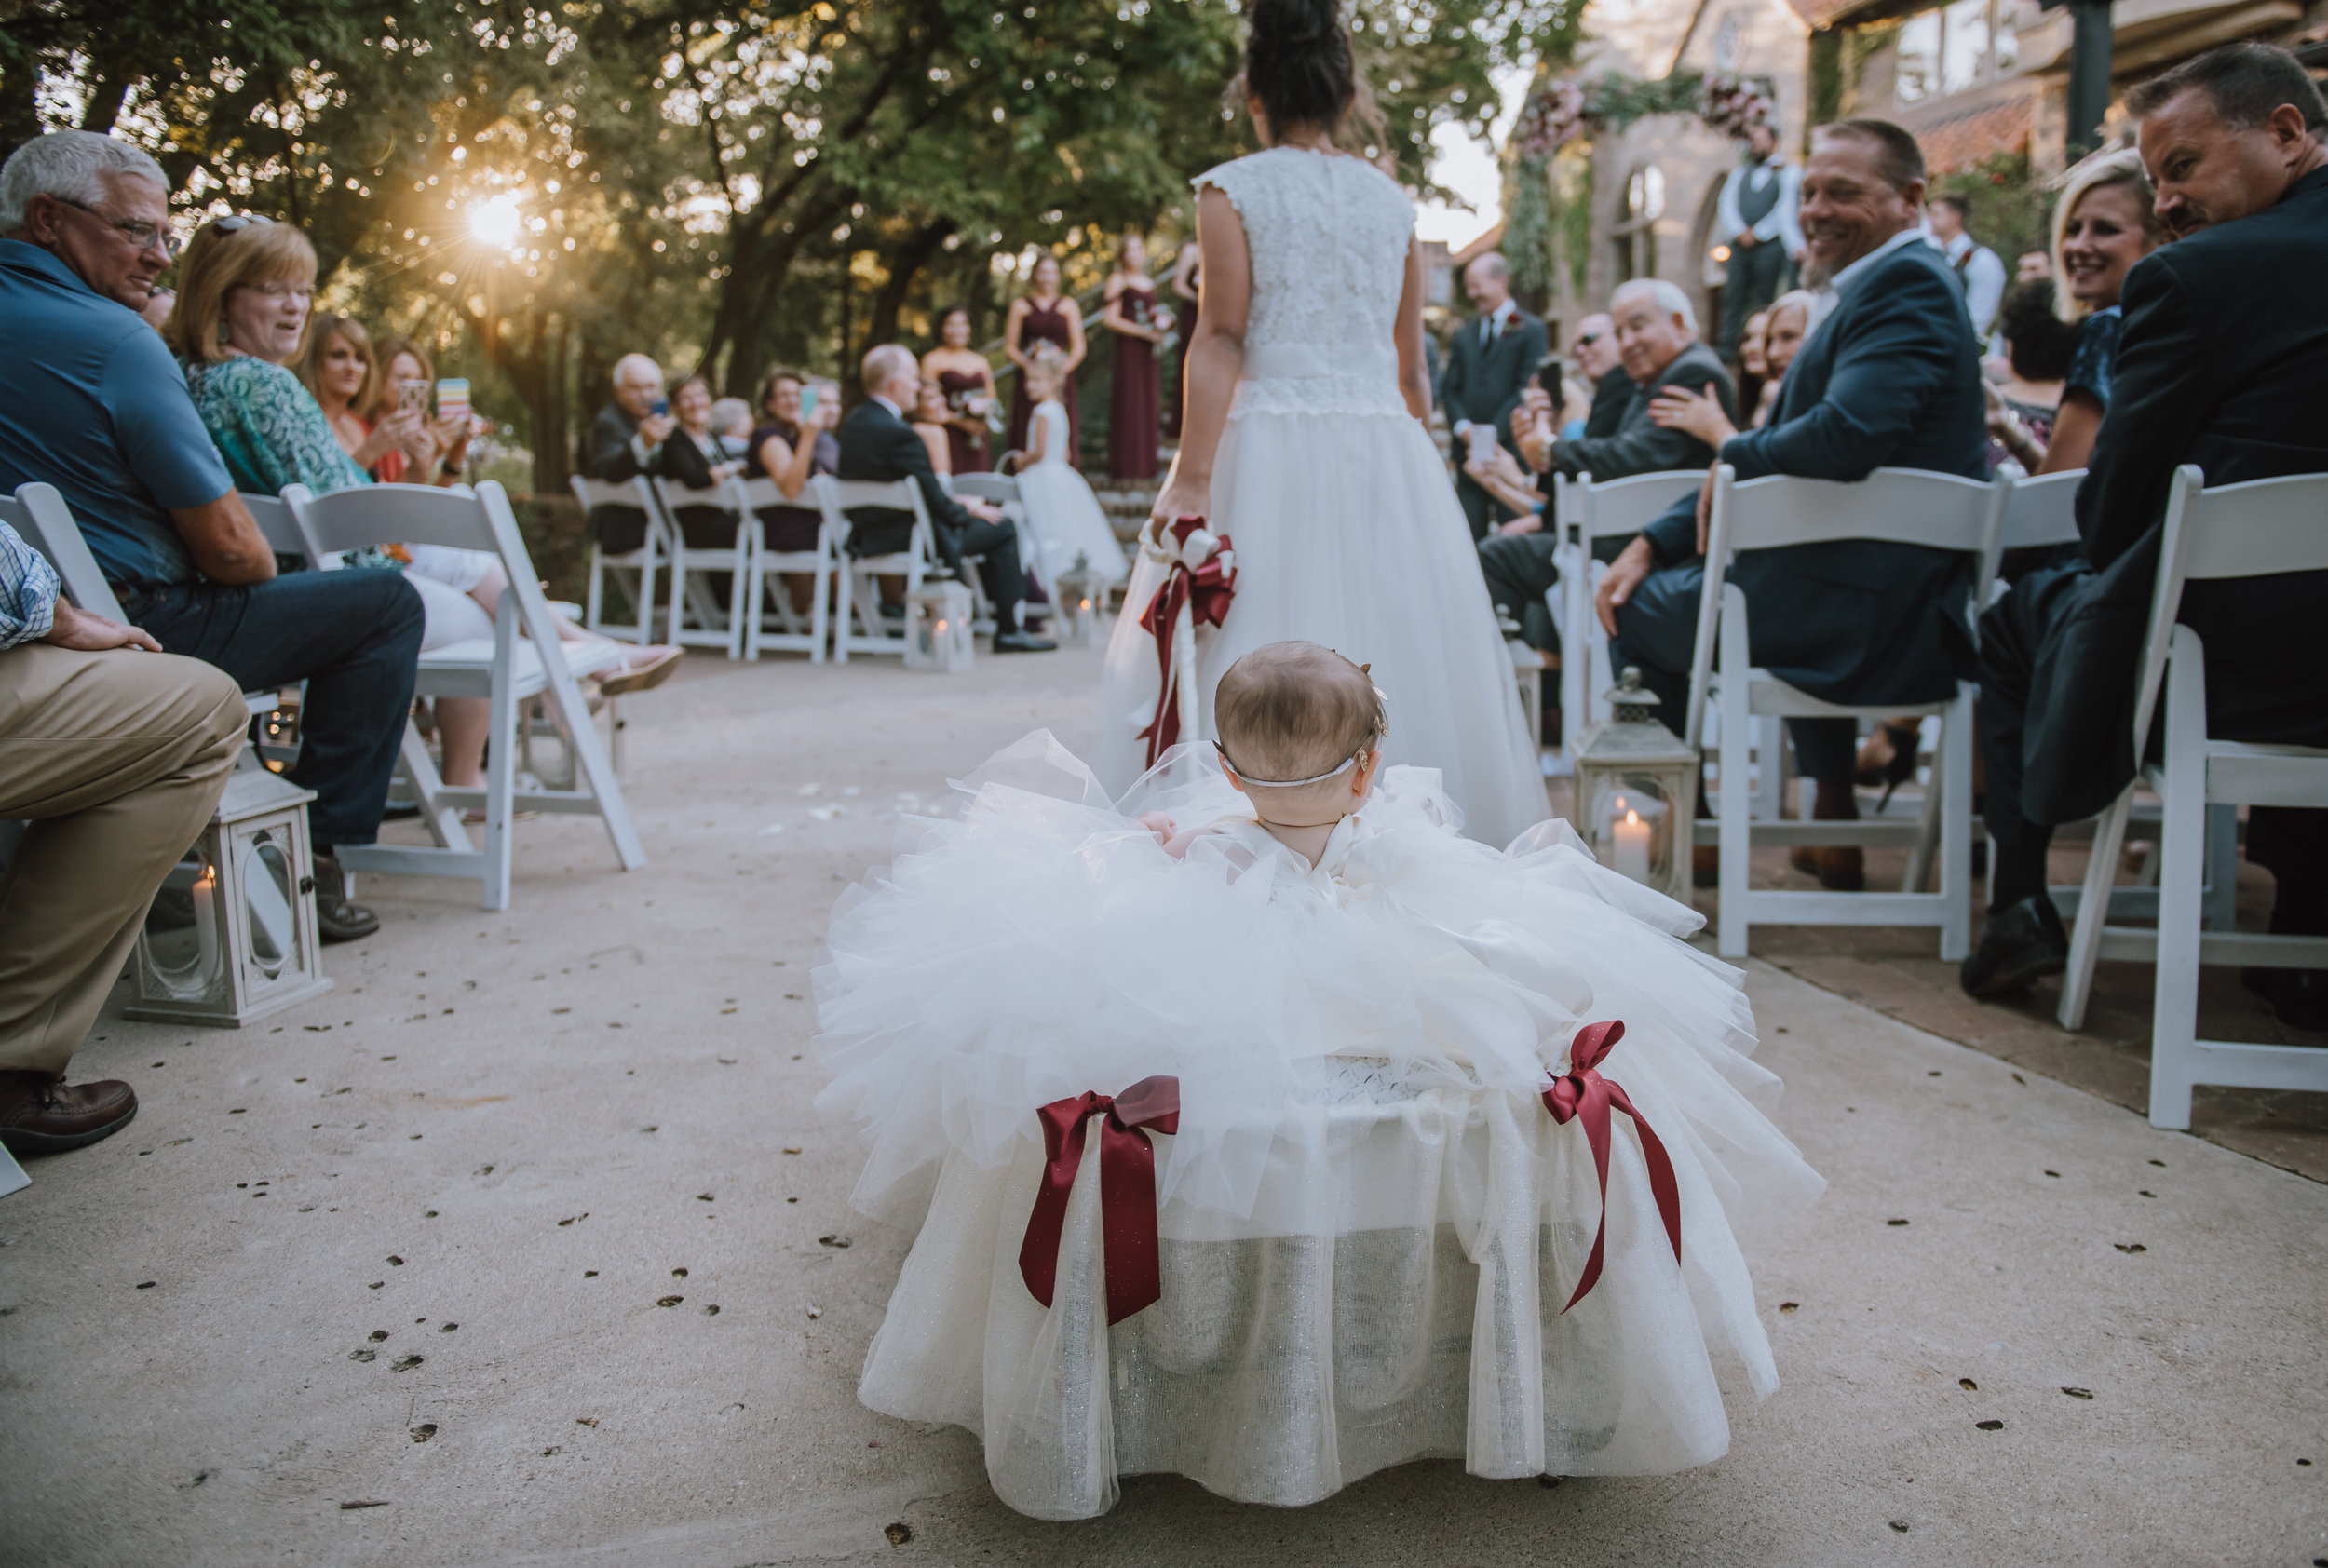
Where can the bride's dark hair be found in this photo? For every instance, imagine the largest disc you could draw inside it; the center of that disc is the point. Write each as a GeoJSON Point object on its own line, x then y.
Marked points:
{"type": "Point", "coordinates": [1297, 63]}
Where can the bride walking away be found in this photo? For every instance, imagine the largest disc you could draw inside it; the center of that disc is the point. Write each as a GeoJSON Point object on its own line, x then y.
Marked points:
{"type": "Point", "coordinates": [1303, 442]}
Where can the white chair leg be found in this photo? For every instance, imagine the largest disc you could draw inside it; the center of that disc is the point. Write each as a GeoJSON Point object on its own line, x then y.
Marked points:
{"type": "Point", "coordinates": [2094, 910]}
{"type": "Point", "coordinates": [1770, 747]}
{"type": "Point", "coordinates": [501, 770]}
{"type": "Point", "coordinates": [1733, 809]}
{"type": "Point", "coordinates": [816, 608]}
{"type": "Point", "coordinates": [1953, 787]}
{"type": "Point", "coordinates": [2223, 868]}
{"type": "Point", "coordinates": [651, 558]}
{"type": "Point", "coordinates": [593, 596]}
{"type": "Point", "coordinates": [2182, 875]}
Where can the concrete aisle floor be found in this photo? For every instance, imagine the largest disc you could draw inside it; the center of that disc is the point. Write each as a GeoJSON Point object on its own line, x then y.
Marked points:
{"type": "Point", "coordinates": [409, 1247]}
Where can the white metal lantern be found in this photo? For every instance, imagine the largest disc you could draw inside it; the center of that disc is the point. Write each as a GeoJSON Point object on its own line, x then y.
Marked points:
{"type": "Point", "coordinates": [231, 937]}
{"type": "Point", "coordinates": [1081, 592]}
{"type": "Point", "coordinates": [1637, 792]}
{"type": "Point", "coordinates": [937, 627]}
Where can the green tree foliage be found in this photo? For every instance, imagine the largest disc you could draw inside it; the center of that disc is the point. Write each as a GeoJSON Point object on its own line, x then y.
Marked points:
{"type": "Point", "coordinates": [533, 188]}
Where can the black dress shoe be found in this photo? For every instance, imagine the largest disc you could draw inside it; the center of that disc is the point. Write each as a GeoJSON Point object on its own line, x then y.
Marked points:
{"type": "Point", "coordinates": [2298, 997]}
{"type": "Point", "coordinates": [2022, 944]}
{"type": "Point", "coordinates": [337, 919]}
{"type": "Point", "coordinates": [1020, 643]}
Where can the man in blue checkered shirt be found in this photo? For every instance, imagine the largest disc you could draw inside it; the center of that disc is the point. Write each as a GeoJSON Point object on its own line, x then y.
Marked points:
{"type": "Point", "coordinates": [112, 754]}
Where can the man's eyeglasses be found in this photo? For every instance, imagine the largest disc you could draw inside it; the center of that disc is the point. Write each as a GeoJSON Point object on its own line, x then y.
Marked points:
{"type": "Point", "coordinates": [142, 235]}
{"type": "Point", "coordinates": [1588, 338]}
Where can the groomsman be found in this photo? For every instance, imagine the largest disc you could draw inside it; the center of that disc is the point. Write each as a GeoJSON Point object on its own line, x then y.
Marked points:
{"type": "Point", "coordinates": [2221, 364]}
{"type": "Point", "coordinates": [1489, 365]}
{"type": "Point", "coordinates": [1758, 216]}
{"type": "Point", "coordinates": [1892, 377]}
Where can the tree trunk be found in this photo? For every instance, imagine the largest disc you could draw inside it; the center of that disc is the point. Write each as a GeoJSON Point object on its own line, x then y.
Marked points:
{"type": "Point", "coordinates": [904, 267]}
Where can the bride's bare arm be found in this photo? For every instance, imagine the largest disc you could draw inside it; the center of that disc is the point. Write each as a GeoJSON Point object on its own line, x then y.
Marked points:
{"type": "Point", "coordinates": [1216, 353]}
{"type": "Point", "coordinates": [1414, 370]}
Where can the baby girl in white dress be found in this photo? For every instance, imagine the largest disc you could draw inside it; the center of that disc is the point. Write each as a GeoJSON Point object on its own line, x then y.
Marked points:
{"type": "Point", "coordinates": [1405, 1147]}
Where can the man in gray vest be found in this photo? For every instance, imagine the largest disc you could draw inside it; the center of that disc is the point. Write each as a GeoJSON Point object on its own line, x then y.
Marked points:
{"type": "Point", "coordinates": [1758, 220]}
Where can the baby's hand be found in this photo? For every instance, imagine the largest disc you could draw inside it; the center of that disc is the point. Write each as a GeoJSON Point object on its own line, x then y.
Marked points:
{"type": "Point", "coordinates": [1178, 847]}
{"type": "Point", "coordinates": [1156, 823]}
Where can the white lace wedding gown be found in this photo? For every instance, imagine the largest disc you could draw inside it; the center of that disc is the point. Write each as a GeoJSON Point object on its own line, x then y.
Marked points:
{"type": "Point", "coordinates": [1346, 526]}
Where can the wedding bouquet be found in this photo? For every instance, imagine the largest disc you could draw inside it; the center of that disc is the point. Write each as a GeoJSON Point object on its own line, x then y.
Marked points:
{"type": "Point", "coordinates": [1732, 105]}
{"type": "Point", "coordinates": [1551, 119]}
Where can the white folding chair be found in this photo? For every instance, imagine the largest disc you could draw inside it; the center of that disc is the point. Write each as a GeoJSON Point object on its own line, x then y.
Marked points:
{"type": "Point", "coordinates": [1002, 489]}
{"type": "Point", "coordinates": [1584, 511]}
{"type": "Point", "coordinates": [2263, 528]}
{"type": "Point", "coordinates": [275, 525]}
{"type": "Point", "coordinates": [696, 618]}
{"type": "Point", "coordinates": [1900, 506]}
{"type": "Point", "coordinates": [861, 607]}
{"type": "Point", "coordinates": [635, 571]}
{"type": "Point", "coordinates": [506, 669]}
{"type": "Point", "coordinates": [40, 517]}
{"type": "Point", "coordinates": [769, 588]}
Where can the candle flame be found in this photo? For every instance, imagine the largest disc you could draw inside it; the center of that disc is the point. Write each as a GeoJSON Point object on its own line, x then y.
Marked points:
{"type": "Point", "coordinates": [1632, 817]}
{"type": "Point", "coordinates": [1620, 803]}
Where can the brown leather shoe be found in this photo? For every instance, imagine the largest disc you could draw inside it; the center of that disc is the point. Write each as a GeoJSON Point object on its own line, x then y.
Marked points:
{"type": "Point", "coordinates": [40, 1114]}
{"type": "Point", "coordinates": [1839, 868]}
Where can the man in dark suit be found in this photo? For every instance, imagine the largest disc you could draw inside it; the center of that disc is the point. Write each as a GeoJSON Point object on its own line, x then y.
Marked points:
{"type": "Point", "coordinates": [626, 441]}
{"type": "Point", "coordinates": [1656, 340]}
{"type": "Point", "coordinates": [1489, 364]}
{"type": "Point", "coordinates": [877, 444]}
{"type": "Point", "coordinates": [1892, 378]}
{"type": "Point", "coordinates": [2223, 363]}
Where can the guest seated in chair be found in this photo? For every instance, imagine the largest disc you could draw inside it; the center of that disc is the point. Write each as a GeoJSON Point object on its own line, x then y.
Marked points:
{"type": "Point", "coordinates": [878, 445]}
{"type": "Point", "coordinates": [93, 404]}
{"type": "Point", "coordinates": [626, 441]}
{"type": "Point", "coordinates": [1892, 378]}
{"type": "Point", "coordinates": [118, 757]}
{"type": "Point", "coordinates": [1656, 340]}
{"type": "Point", "coordinates": [2220, 365]}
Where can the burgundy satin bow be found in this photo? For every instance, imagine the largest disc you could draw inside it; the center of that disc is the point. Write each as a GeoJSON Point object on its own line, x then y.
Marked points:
{"type": "Point", "coordinates": [1585, 1094]}
{"type": "Point", "coordinates": [1134, 1272]}
{"type": "Point", "coordinates": [1207, 592]}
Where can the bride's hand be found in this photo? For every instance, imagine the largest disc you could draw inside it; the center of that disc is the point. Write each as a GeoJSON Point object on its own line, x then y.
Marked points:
{"type": "Point", "coordinates": [1180, 498]}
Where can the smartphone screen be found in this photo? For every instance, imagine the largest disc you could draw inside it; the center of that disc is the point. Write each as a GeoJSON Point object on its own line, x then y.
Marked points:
{"type": "Point", "coordinates": [660, 408]}
{"type": "Point", "coordinates": [1482, 440]}
{"type": "Point", "coordinates": [452, 399]}
{"type": "Point", "coordinates": [807, 402]}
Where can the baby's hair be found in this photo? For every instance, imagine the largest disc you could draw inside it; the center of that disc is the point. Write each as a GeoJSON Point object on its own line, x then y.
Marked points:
{"type": "Point", "coordinates": [1293, 710]}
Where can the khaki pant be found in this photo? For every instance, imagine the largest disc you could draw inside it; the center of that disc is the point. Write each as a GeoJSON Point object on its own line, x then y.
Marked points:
{"type": "Point", "coordinates": [119, 759]}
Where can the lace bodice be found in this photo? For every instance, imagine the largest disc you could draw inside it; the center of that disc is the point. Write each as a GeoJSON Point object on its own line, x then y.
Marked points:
{"type": "Point", "coordinates": [1328, 238]}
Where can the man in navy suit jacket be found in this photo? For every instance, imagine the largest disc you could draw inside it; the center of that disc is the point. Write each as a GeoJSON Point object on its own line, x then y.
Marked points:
{"type": "Point", "coordinates": [2223, 363]}
{"type": "Point", "coordinates": [1891, 379]}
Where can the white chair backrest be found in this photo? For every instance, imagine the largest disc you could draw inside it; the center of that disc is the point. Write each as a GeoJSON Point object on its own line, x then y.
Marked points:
{"type": "Point", "coordinates": [763, 492]}
{"type": "Point", "coordinates": [2041, 511]}
{"type": "Point", "coordinates": [1895, 505]}
{"type": "Point", "coordinates": [1001, 489]}
{"type": "Point", "coordinates": [2259, 529]}
{"type": "Point", "coordinates": [723, 496]}
{"type": "Point", "coordinates": [839, 497]}
{"type": "Point", "coordinates": [40, 518]}
{"type": "Point", "coordinates": [275, 525]}
{"type": "Point", "coordinates": [1627, 506]}
{"type": "Point", "coordinates": [631, 493]}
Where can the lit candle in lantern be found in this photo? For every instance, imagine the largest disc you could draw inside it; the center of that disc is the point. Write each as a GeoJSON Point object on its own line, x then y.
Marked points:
{"type": "Point", "coordinates": [206, 920]}
{"type": "Point", "coordinates": [1632, 856]}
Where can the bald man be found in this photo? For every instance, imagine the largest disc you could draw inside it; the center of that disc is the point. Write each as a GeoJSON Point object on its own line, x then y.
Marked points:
{"type": "Point", "coordinates": [626, 441]}
{"type": "Point", "coordinates": [1490, 362]}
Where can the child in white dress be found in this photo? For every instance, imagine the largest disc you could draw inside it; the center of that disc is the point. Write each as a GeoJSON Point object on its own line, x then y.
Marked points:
{"type": "Point", "coordinates": [1061, 510]}
{"type": "Point", "coordinates": [1351, 1071]}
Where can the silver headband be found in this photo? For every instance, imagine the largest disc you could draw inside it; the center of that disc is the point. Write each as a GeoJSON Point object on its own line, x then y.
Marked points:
{"type": "Point", "coordinates": [1348, 762]}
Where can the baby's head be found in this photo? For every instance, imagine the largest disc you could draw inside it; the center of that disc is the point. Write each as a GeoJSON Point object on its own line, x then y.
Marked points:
{"type": "Point", "coordinates": [1300, 726]}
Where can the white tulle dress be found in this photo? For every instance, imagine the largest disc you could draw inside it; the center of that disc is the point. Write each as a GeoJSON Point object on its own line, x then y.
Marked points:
{"type": "Point", "coordinates": [1062, 512]}
{"type": "Point", "coordinates": [1370, 1223]}
{"type": "Point", "coordinates": [1342, 512]}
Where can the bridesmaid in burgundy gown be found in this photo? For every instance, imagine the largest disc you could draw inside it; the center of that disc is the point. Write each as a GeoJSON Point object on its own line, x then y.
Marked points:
{"type": "Point", "coordinates": [969, 381]}
{"type": "Point", "coordinates": [1139, 325]}
{"type": "Point", "coordinates": [1188, 280]}
{"type": "Point", "coordinates": [1045, 316]}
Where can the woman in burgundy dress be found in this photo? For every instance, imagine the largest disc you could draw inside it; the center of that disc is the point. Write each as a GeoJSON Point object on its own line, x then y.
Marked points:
{"type": "Point", "coordinates": [1187, 282]}
{"type": "Point", "coordinates": [1043, 316]}
{"type": "Point", "coordinates": [1138, 325]}
{"type": "Point", "coordinates": [969, 381]}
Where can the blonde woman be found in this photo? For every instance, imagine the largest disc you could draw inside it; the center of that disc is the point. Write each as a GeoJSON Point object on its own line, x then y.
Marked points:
{"type": "Point", "coordinates": [338, 371]}
{"type": "Point", "coordinates": [2102, 226]}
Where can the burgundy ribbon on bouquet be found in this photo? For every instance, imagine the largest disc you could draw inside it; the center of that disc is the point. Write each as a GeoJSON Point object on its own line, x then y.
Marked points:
{"type": "Point", "coordinates": [1134, 1272]}
{"type": "Point", "coordinates": [1206, 591]}
{"type": "Point", "coordinates": [1588, 1096]}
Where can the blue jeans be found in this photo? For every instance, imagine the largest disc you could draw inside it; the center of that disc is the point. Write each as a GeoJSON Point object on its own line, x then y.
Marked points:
{"type": "Point", "coordinates": [353, 635]}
